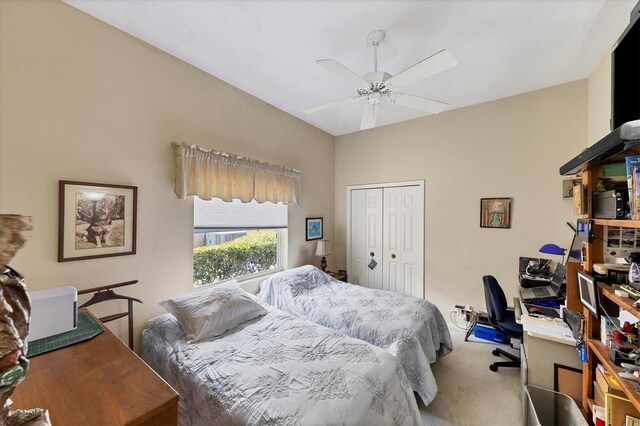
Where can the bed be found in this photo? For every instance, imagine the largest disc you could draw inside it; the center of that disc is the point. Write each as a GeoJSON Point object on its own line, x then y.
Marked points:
{"type": "Point", "coordinates": [412, 329]}
{"type": "Point", "coordinates": [278, 369]}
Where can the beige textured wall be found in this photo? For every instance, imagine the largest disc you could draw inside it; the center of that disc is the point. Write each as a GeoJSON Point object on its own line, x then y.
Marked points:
{"type": "Point", "coordinates": [511, 147]}
{"type": "Point", "coordinates": [599, 106]}
{"type": "Point", "coordinates": [81, 100]}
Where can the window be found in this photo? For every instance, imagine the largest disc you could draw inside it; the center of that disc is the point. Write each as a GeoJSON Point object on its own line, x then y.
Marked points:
{"type": "Point", "coordinates": [236, 240]}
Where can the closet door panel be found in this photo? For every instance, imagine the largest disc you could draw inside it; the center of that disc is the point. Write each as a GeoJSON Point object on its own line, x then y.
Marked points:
{"type": "Point", "coordinates": [403, 230]}
{"type": "Point", "coordinates": [357, 268]}
{"type": "Point", "coordinates": [374, 240]}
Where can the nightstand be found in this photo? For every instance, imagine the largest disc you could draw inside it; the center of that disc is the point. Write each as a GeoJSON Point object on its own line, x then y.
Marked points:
{"type": "Point", "coordinates": [339, 277]}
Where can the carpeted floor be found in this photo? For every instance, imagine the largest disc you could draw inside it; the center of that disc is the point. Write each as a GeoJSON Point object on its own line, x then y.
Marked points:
{"type": "Point", "coordinates": [468, 392]}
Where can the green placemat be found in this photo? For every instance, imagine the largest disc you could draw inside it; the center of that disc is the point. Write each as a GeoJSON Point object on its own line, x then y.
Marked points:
{"type": "Point", "coordinates": [88, 327]}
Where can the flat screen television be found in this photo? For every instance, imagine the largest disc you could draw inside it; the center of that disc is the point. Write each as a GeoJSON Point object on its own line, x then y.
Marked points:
{"type": "Point", "coordinates": [588, 289]}
{"type": "Point", "coordinates": [625, 74]}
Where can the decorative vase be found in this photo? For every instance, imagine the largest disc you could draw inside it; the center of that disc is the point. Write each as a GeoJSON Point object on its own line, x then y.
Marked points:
{"type": "Point", "coordinates": [15, 311]}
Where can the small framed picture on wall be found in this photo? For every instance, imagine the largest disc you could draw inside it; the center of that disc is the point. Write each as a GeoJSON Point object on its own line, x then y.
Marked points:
{"type": "Point", "coordinates": [495, 212]}
{"type": "Point", "coordinates": [314, 228]}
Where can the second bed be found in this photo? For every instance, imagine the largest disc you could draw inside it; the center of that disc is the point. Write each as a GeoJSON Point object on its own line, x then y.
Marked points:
{"type": "Point", "coordinates": [412, 329]}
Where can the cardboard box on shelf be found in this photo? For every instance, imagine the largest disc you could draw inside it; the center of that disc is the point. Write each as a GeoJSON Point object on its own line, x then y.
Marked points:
{"type": "Point", "coordinates": [617, 409]}
{"type": "Point", "coordinates": [607, 384]}
{"type": "Point", "coordinates": [598, 394]}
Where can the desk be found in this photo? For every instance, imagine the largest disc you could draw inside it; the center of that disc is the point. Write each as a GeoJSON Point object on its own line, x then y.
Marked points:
{"type": "Point", "coordinates": [97, 382]}
{"type": "Point", "coordinates": [545, 343]}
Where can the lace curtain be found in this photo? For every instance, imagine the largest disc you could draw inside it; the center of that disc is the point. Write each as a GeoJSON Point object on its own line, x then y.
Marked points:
{"type": "Point", "coordinates": [208, 174]}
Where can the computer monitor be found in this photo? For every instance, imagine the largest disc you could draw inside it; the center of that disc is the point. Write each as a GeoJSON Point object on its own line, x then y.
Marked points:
{"type": "Point", "coordinates": [588, 289]}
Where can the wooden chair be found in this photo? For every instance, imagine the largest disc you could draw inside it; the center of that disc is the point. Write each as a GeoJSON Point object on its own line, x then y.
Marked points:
{"type": "Point", "coordinates": [105, 293]}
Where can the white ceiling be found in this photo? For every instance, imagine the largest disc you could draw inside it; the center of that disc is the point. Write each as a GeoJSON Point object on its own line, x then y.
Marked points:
{"type": "Point", "coordinates": [269, 48]}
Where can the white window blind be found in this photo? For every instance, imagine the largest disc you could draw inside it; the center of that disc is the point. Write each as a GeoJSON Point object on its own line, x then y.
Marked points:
{"type": "Point", "coordinates": [220, 214]}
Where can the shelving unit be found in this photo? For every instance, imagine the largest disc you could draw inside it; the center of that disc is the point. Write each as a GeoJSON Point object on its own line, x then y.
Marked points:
{"type": "Point", "coordinates": [617, 222]}
{"type": "Point", "coordinates": [597, 352]}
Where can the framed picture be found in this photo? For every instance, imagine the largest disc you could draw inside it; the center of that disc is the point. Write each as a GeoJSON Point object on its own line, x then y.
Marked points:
{"type": "Point", "coordinates": [495, 212]}
{"type": "Point", "coordinates": [96, 220]}
{"type": "Point", "coordinates": [314, 228]}
{"type": "Point", "coordinates": [568, 380]}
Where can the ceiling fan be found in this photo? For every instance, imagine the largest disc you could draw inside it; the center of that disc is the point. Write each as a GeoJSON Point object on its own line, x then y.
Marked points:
{"type": "Point", "coordinates": [376, 85]}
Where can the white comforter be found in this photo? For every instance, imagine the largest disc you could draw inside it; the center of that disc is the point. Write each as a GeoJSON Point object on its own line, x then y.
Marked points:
{"type": "Point", "coordinates": [412, 329]}
{"type": "Point", "coordinates": [279, 370]}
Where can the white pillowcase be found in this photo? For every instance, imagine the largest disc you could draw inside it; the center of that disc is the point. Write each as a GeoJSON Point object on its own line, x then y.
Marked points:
{"type": "Point", "coordinates": [213, 311]}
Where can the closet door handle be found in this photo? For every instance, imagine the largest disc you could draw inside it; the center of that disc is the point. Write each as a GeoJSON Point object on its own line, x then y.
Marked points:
{"type": "Point", "coordinates": [372, 254]}
{"type": "Point", "coordinates": [393, 256]}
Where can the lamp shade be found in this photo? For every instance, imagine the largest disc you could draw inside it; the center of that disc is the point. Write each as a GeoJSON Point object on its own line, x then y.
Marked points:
{"type": "Point", "coordinates": [552, 249]}
{"type": "Point", "coordinates": [323, 248]}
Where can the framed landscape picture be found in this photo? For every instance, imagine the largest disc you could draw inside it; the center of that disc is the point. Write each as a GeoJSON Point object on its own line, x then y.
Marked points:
{"type": "Point", "coordinates": [96, 220]}
{"type": "Point", "coordinates": [495, 212]}
{"type": "Point", "coordinates": [314, 228]}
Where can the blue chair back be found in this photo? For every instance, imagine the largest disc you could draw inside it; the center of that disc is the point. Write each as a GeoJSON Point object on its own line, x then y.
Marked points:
{"type": "Point", "coordinates": [494, 299]}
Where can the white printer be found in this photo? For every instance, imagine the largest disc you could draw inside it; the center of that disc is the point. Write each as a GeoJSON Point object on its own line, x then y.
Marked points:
{"type": "Point", "coordinates": [53, 311]}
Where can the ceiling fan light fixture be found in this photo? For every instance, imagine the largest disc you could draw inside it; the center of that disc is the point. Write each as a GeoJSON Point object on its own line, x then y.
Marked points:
{"type": "Point", "coordinates": [373, 86]}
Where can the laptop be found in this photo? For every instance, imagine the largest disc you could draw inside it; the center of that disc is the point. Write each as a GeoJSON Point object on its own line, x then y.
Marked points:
{"type": "Point", "coordinates": [550, 291]}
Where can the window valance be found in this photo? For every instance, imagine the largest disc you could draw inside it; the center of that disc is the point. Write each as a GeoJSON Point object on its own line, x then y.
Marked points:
{"type": "Point", "coordinates": [208, 173]}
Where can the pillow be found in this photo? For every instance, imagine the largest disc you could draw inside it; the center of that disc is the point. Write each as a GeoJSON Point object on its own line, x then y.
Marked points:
{"type": "Point", "coordinates": [213, 311]}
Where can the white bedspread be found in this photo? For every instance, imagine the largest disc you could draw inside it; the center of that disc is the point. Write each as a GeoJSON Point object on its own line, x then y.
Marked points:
{"type": "Point", "coordinates": [279, 370]}
{"type": "Point", "coordinates": [412, 329]}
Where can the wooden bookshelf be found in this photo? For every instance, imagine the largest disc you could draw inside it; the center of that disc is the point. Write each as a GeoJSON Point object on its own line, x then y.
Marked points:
{"type": "Point", "coordinates": [628, 386]}
{"type": "Point", "coordinates": [617, 222]}
{"type": "Point", "coordinates": [597, 352]}
{"type": "Point", "coordinates": [625, 303]}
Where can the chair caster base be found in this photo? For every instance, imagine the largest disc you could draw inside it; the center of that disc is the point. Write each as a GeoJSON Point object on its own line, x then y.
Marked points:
{"type": "Point", "coordinates": [496, 352]}
{"type": "Point", "coordinates": [493, 367]}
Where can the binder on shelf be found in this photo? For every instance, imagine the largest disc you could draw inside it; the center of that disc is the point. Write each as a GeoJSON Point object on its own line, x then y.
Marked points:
{"type": "Point", "coordinates": [632, 161]}
{"type": "Point", "coordinates": [636, 193]}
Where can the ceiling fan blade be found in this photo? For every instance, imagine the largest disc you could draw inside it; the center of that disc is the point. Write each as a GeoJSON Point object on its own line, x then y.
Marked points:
{"type": "Point", "coordinates": [416, 102]}
{"type": "Point", "coordinates": [331, 104]}
{"type": "Point", "coordinates": [341, 71]}
{"type": "Point", "coordinates": [434, 64]}
{"type": "Point", "coordinates": [369, 116]}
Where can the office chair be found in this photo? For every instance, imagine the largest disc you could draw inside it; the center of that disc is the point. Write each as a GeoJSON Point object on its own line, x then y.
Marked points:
{"type": "Point", "coordinates": [501, 318]}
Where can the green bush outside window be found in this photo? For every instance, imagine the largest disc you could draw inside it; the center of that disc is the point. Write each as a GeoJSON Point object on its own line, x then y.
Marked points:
{"type": "Point", "coordinates": [254, 252]}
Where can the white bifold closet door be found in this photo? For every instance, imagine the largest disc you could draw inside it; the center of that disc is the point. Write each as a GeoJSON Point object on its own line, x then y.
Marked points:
{"type": "Point", "coordinates": [403, 232]}
{"type": "Point", "coordinates": [387, 227]}
{"type": "Point", "coordinates": [366, 237]}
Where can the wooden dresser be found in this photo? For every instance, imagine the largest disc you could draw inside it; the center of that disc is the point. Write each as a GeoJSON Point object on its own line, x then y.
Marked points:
{"type": "Point", "coordinates": [97, 382]}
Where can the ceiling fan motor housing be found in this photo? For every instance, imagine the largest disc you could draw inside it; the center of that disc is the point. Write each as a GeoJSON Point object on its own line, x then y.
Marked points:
{"type": "Point", "coordinates": [377, 88]}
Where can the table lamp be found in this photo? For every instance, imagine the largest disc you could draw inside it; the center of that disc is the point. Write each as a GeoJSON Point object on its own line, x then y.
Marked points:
{"type": "Point", "coordinates": [553, 249]}
{"type": "Point", "coordinates": [323, 249]}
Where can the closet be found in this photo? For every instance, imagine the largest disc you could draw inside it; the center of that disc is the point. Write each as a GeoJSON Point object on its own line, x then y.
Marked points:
{"type": "Point", "coordinates": [385, 236]}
